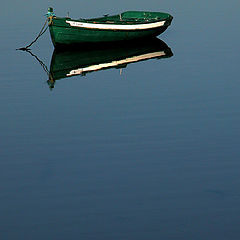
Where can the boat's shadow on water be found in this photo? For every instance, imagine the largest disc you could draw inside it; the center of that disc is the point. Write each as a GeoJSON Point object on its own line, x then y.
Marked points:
{"type": "Point", "coordinates": [80, 60]}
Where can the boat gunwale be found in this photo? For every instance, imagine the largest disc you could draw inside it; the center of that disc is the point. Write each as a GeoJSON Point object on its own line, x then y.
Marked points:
{"type": "Point", "coordinates": [109, 22]}
{"type": "Point", "coordinates": [117, 27]}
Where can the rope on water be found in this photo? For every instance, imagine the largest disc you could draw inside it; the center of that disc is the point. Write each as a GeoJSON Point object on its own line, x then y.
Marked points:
{"type": "Point", "coordinates": [43, 30]}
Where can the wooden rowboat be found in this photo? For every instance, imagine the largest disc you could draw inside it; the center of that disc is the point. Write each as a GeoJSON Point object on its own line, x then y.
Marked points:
{"type": "Point", "coordinates": [128, 25]}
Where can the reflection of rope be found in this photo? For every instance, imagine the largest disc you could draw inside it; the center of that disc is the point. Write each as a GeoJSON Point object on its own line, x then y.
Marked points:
{"type": "Point", "coordinates": [50, 80]}
{"type": "Point", "coordinates": [45, 68]}
{"type": "Point", "coordinates": [38, 36]}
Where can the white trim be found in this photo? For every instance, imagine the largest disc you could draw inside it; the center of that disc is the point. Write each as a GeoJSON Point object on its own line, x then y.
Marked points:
{"type": "Point", "coordinates": [116, 63]}
{"type": "Point", "coordinates": [116, 26]}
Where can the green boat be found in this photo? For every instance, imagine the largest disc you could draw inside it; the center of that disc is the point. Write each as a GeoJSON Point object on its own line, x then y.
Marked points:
{"type": "Point", "coordinates": [128, 25]}
{"type": "Point", "coordinates": [69, 62]}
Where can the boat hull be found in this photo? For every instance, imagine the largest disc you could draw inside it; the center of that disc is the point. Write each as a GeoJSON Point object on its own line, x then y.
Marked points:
{"type": "Point", "coordinates": [61, 36]}
{"type": "Point", "coordinates": [65, 31]}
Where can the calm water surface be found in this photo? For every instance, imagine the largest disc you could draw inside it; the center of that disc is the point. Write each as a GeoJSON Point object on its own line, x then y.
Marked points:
{"type": "Point", "coordinates": [152, 153]}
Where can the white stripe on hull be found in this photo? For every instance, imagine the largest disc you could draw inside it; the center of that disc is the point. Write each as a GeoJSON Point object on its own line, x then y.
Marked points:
{"type": "Point", "coordinates": [116, 26]}
{"type": "Point", "coordinates": [116, 63]}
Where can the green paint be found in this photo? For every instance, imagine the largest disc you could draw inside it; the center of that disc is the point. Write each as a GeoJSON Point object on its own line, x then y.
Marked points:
{"type": "Point", "coordinates": [62, 33]}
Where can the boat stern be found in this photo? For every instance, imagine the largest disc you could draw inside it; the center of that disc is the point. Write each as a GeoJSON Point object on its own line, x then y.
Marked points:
{"type": "Point", "coordinates": [169, 20]}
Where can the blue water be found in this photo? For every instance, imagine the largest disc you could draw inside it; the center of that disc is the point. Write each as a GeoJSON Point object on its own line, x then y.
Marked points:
{"type": "Point", "coordinates": [152, 153]}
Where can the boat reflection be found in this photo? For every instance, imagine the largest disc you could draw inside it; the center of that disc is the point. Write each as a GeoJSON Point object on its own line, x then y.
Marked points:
{"type": "Point", "coordinates": [71, 62]}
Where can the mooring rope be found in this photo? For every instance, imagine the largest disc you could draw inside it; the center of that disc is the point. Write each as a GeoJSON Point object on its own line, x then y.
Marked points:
{"type": "Point", "coordinates": [43, 30]}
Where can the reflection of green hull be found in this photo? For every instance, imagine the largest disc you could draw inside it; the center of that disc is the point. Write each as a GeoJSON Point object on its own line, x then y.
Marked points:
{"type": "Point", "coordinates": [125, 26]}
{"type": "Point", "coordinates": [71, 62]}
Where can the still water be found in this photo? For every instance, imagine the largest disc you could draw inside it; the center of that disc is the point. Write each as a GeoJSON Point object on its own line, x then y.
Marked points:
{"type": "Point", "coordinates": [151, 153]}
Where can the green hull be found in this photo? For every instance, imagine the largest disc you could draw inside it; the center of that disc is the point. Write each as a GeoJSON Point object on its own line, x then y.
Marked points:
{"type": "Point", "coordinates": [71, 62]}
{"type": "Point", "coordinates": [125, 26]}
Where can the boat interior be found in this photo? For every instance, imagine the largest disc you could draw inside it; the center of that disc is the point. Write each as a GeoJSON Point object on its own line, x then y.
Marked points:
{"type": "Point", "coordinates": [130, 17]}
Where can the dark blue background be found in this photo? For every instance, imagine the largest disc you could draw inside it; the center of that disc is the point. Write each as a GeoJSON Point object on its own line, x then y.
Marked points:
{"type": "Point", "coordinates": [149, 154]}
